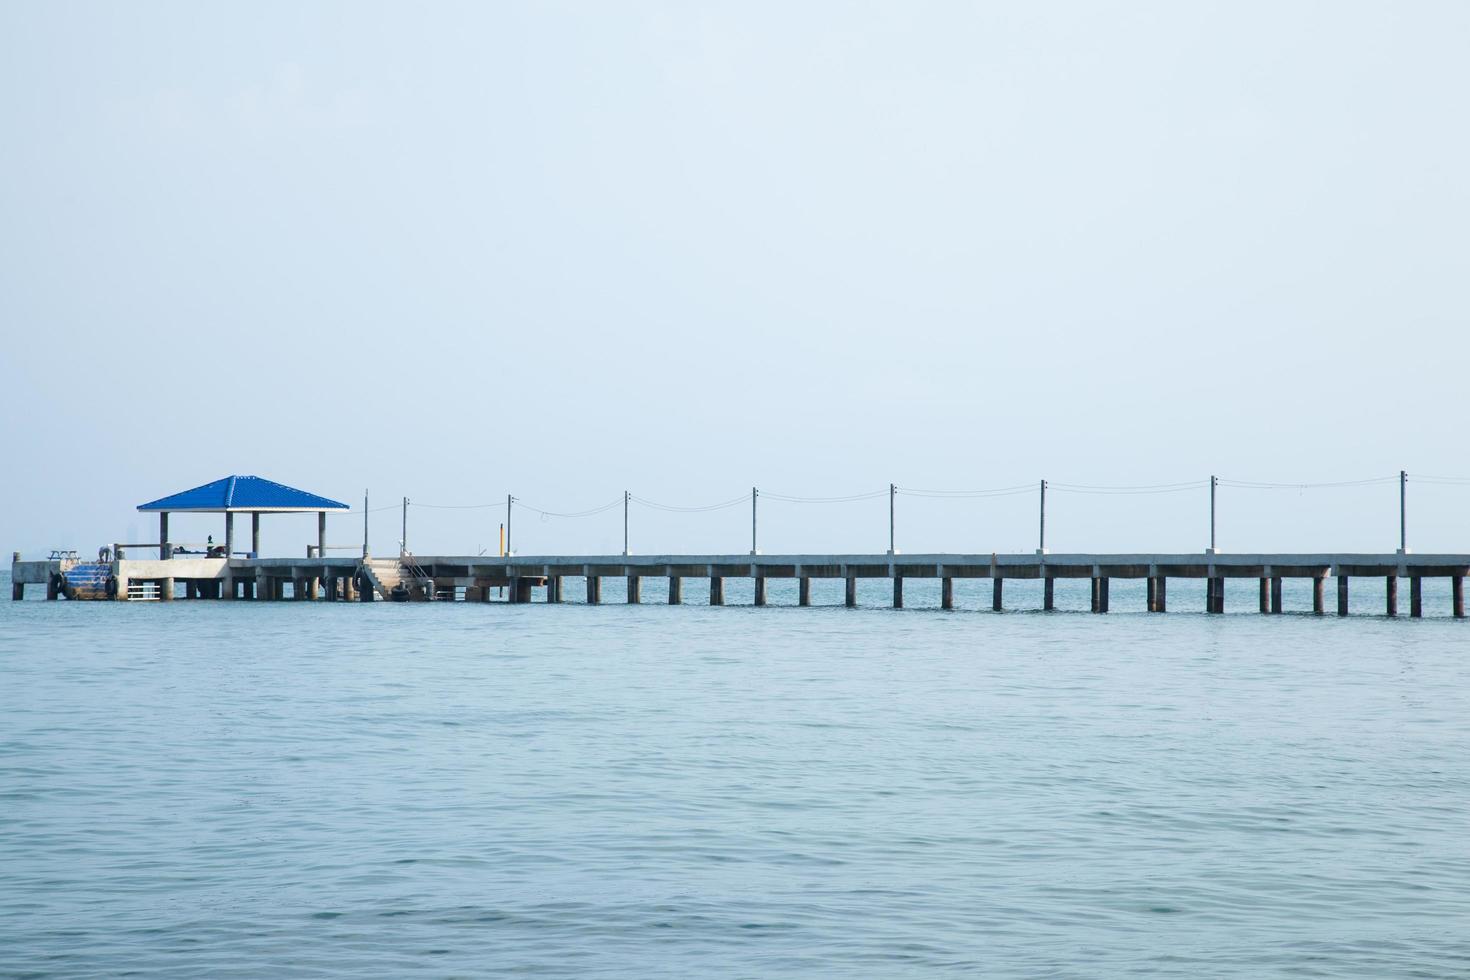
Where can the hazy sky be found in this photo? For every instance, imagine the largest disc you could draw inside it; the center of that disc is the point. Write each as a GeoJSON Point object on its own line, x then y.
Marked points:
{"type": "Point", "coordinates": [560, 250]}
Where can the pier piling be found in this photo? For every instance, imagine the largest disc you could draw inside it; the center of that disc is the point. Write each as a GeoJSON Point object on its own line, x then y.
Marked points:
{"type": "Point", "coordinates": [1275, 594]}
{"type": "Point", "coordinates": [804, 591]}
{"type": "Point", "coordinates": [594, 590]}
{"type": "Point", "coordinates": [1457, 596]}
{"type": "Point", "coordinates": [760, 590]}
{"type": "Point", "coordinates": [1416, 597]}
{"type": "Point", "coordinates": [946, 593]}
{"type": "Point", "coordinates": [1048, 593]}
{"type": "Point", "coordinates": [716, 590]}
{"type": "Point", "coordinates": [898, 592]}
{"type": "Point", "coordinates": [676, 590]}
{"type": "Point", "coordinates": [635, 590]}
{"type": "Point", "coordinates": [1392, 595]}
{"type": "Point", "coordinates": [1342, 594]}
{"type": "Point", "coordinates": [997, 593]}
{"type": "Point", "coordinates": [849, 596]}
{"type": "Point", "coordinates": [1265, 604]}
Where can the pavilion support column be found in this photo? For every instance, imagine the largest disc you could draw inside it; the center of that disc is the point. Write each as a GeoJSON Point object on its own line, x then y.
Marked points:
{"type": "Point", "coordinates": [1457, 596]}
{"type": "Point", "coordinates": [946, 592]}
{"type": "Point", "coordinates": [716, 590]}
{"type": "Point", "coordinates": [1342, 594]}
{"type": "Point", "coordinates": [1276, 594]}
{"type": "Point", "coordinates": [804, 591]}
{"type": "Point", "coordinates": [321, 534]}
{"type": "Point", "coordinates": [760, 590]}
{"type": "Point", "coordinates": [676, 590]}
{"type": "Point", "coordinates": [594, 590]}
{"type": "Point", "coordinates": [1416, 597]}
{"type": "Point", "coordinates": [164, 551]}
{"type": "Point", "coordinates": [1048, 593]}
{"type": "Point", "coordinates": [255, 534]}
{"type": "Point", "coordinates": [1392, 604]}
{"type": "Point", "coordinates": [635, 590]}
{"type": "Point", "coordinates": [898, 592]}
{"type": "Point", "coordinates": [997, 594]}
{"type": "Point", "coordinates": [849, 592]}
{"type": "Point", "coordinates": [229, 585]}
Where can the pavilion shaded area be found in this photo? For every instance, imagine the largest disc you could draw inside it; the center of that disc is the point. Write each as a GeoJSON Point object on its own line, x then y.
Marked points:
{"type": "Point", "coordinates": [233, 495]}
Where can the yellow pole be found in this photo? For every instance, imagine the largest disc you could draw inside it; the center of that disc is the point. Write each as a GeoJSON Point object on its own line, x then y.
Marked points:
{"type": "Point", "coordinates": [502, 540]}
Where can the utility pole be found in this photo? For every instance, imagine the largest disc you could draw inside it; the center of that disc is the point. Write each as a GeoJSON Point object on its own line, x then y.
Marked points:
{"type": "Point", "coordinates": [364, 523]}
{"type": "Point", "coordinates": [754, 493]}
{"type": "Point", "coordinates": [626, 495]}
{"type": "Point", "coordinates": [1403, 513]}
{"type": "Point", "coordinates": [403, 544]}
{"type": "Point", "coordinates": [508, 501]}
{"type": "Point", "coordinates": [1041, 545]}
{"type": "Point", "coordinates": [892, 495]}
{"type": "Point", "coordinates": [1214, 482]}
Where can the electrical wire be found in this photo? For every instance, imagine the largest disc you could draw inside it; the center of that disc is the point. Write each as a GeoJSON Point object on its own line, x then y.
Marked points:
{"type": "Point", "coordinates": [691, 510]}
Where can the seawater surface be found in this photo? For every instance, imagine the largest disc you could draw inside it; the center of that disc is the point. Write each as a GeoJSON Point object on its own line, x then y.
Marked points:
{"type": "Point", "coordinates": [291, 789]}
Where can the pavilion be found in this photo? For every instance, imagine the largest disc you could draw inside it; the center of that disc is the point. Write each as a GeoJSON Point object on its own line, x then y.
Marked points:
{"type": "Point", "coordinates": [242, 494]}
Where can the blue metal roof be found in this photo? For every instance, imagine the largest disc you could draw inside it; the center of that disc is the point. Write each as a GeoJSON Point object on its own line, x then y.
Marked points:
{"type": "Point", "coordinates": [243, 493]}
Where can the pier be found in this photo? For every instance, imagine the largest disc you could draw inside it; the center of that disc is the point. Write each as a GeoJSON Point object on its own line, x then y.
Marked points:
{"type": "Point", "coordinates": [220, 572]}
{"type": "Point", "coordinates": [524, 579]}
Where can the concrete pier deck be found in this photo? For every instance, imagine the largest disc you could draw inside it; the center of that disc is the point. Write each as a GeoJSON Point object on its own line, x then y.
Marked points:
{"type": "Point", "coordinates": [440, 577]}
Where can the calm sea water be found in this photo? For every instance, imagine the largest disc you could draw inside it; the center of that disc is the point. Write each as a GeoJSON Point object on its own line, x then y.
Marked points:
{"type": "Point", "coordinates": [274, 789]}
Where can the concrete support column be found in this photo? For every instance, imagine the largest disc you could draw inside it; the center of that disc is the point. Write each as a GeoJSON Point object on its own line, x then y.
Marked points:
{"type": "Point", "coordinates": [849, 595]}
{"type": "Point", "coordinates": [1392, 582]}
{"type": "Point", "coordinates": [520, 590]}
{"type": "Point", "coordinates": [1048, 593]}
{"type": "Point", "coordinates": [898, 592]}
{"type": "Point", "coordinates": [1102, 594]}
{"type": "Point", "coordinates": [1275, 593]}
{"type": "Point", "coordinates": [716, 590]}
{"type": "Point", "coordinates": [997, 594]}
{"type": "Point", "coordinates": [1161, 595]}
{"type": "Point", "coordinates": [122, 589]}
{"type": "Point", "coordinates": [365, 594]}
{"type": "Point", "coordinates": [512, 594]}
{"type": "Point", "coordinates": [553, 588]}
{"type": "Point", "coordinates": [261, 587]}
{"type": "Point", "coordinates": [1151, 602]}
{"type": "Point", "coordinates": [635, 589]}
{"type": "Point", "coordinates": [314, 585]}
{"type": "Point", "coordinates": [51, 590]}
{"type": "Point", "coordinates": [301, 588]}
{"type": "Point", "coordinates": [1342, 595]}
{"type": "Point", "coordinates": [329, 587]}
{"type": "Point", "coordinates": [804, 591]}
{"type": "Point", "coordinates": [946, 592]}
{"type": "Point", "coordinates": [1096, 591]}
{"type": "Point", "coordinates": [760, 590]}
{"type": "Point", "coordinates": [1319, 586]}
{"type": "Point", "coordinates": [676, 590]}
{"type": "Point", "coordinates": [166, 589]}
{"type": "Point", "coordinates": [1416, 597]}
{"type": "Point", "coordinates": [1265, 594]}
{"type": "Point", "coordinates": [255, 533]}
{"type": "Point", "coordinates": [594, 590]}
{"type": "Point", "coordinates": [1457, 596]}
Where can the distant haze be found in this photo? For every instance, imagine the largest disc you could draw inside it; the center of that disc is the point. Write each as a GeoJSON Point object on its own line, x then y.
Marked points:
{"type": "Point", "coordinates": [562, 250]}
